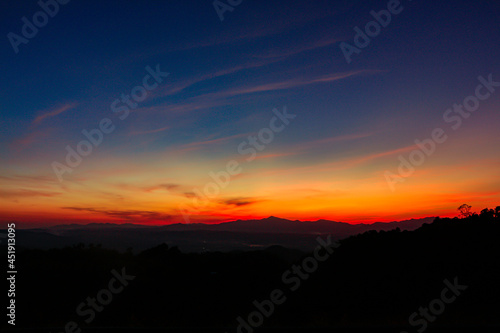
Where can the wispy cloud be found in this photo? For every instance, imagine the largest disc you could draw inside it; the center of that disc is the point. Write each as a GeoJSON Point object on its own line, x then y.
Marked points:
{"type": "Point", "coordinates": [167, 187]}
{"type": "Point", "coordinates": [190, 195]}
{"type": "Point", "coordinates": [293, 83]}
{"type": "Point", "coordinates": [178, 87]}
{"type": "Point", "coordinates": [199, 144]}
{"type": "Point", "coordinates": [265, 59]}
{"type": "Point", "coordinates": [300, 148]}
{"type": "Point", "coordinates": [38, 178]}
{"type": "Point", "coordinates": [232, 37]}
{"type": "Point", "coordinates": [52, 112]}
{"type": "Point", "coordinates": [30, 139]}
{"type": "Point", "coordinates": [272, 28]}
{"type": "Point", "coordinates": [172, 188]}
{"type": "Point", "coordinates": [276, 155]}
{"type": "Point", "coordinates": [150, 131]}
{"type": "Point", "coordinates": [344, 163]}
{"type": "Point", "coordinates": [33, 136]}
{"type": "Point", "coordinates": [238, 202]}
{"type": "Point", "coordinates": [220, 98]}
{"type": "Point", "coordinates": [330, 140]}
{"type": "Point", "coordinates": [25, 193]}
{"type": "Point", "coordinates": [194, 104]}
{"type": "Point", "coordinates": [282, 53]}
{"type": "Point", "coordinates": [125, 214]}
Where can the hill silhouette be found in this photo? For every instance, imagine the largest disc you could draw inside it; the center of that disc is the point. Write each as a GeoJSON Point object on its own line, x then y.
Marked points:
{"type": "Point", "coordinates": [372, 281]}
{"type": "Point", "coordinates": [235, 235]}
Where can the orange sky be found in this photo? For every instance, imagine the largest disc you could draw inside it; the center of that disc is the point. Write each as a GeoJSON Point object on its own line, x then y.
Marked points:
{"type": "Point", "coordinates": [293, 182]}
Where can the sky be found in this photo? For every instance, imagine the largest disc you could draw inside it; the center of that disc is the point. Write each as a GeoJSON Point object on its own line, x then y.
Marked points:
{"type": "Point", "coordinates": [159, 112]}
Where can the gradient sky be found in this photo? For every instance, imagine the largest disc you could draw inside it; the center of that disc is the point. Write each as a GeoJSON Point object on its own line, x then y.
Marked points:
{"type": "Point", "coordinates": [352, 122]}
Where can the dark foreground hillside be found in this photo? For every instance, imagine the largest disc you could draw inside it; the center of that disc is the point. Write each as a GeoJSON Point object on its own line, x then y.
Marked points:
{"type": "Point", "coordinates": [371, 282]}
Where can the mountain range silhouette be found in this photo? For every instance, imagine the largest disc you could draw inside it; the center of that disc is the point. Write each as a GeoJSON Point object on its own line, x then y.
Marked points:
{"type": "Point", "coordinates": [240, 234]}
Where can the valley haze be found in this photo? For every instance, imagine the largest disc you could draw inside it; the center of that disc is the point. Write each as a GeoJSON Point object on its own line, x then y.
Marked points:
{"type": "Point", "coordinates": [199, 237]}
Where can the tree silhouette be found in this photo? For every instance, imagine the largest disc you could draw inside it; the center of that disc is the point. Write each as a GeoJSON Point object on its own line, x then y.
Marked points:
{"type": "Point", "coordinates": [488, 214]}
{"type": "Point", "coordinates": [465, 211]}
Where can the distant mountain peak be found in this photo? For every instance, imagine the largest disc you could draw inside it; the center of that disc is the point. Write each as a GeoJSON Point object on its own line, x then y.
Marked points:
{"type": "Point", "coordinates": [269, 225]}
